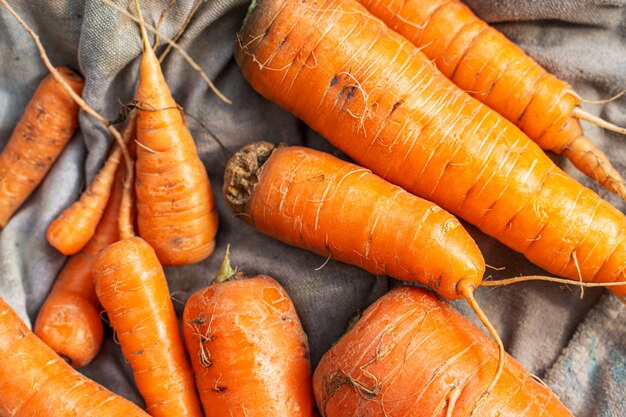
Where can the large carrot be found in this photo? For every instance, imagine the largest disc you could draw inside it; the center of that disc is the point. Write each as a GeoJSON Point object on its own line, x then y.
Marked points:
{"type": "Point", "coordinates": [482, 61]}
{"type": "Point", "coordinates": [412, 355]}
{"type": "Point", "coordinates": [379, 99]}
{"type": "Point", "coordinates": [248, 349]}
{"type": "Point", "coordinates": [35, 382]}
{"type": "Point", "coordinates": [69, 320]}
{"type": "Point", "coordinates": [176, 212]}
{"type": "Point", "coordinates": [46, 126]}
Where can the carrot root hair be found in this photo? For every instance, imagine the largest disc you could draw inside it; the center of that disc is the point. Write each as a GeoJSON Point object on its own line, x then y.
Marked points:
{"type": "Point", "coordinates": [581, 114]}
{"type": "Point", "coordinates": [466, 289]}
{"type": "Point", "coordinates": [174, 45]}
{"type": "Point", "coordinates": [564, 281]}
{"type": "Point", "coordinates": [605, 101]}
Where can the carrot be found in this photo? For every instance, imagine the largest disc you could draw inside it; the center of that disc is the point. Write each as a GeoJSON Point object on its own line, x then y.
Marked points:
{"type": "Point", "coordinates": [482, 61]}
{"type": "Point", "coordinates": [413, 355]}
{"type": "Point", "coordinates": [34, 381]}
{"type": "Point", "coordinates": [377, 98]}
{"type": "Point", "coordinates": [69, 320]}
{"type": "Point", "coordinates": [248, 349]}
{"type": "Point", "coordinates": [175, 208]}
{"type": "Point", "coordinates": [132, 288]}
{"type": "Point", "coordinates": [46, 126]}
{"type": "Point", "coordinates": [76, 225]}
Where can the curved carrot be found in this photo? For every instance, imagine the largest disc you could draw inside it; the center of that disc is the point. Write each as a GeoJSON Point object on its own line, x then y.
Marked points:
{"type": "Point", "coordinates": [76, 225]}
{"type": "Point", "coordinates": [248, 349]}
{"type": "Point", "coordinates": [175, 208]}
{"type": "Point", "coordinates": [482, 61]}
{"type": "Point", "coordinates": [35, 382]}
{"type": "Point", "coordinates": [46, 126]}
{"type": "Point", "coordinates": [69, 320]}
{"type": "Point", "coordinates": [131, 286]}
{"type": "Point", "coordinates": [376, 97]}
{"type": "Point", "coordinates": [411, 354]}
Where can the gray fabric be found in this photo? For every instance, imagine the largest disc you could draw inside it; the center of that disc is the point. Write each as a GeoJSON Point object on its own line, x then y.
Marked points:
{"type": "Point", "coordinates": [582, 41]}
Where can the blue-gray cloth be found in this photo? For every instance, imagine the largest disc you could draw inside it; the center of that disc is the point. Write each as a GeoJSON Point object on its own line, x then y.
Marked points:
{"type": "Point", "coordinates": [577, 346]}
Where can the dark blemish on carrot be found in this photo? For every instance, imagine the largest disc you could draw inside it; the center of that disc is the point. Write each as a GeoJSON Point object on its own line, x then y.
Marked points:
{"type": "Point", "coordinates": [334, 80]}
{"type": "Point", "coordinates": [177, 241]}
{"type": "Point", "coordinates": [396, 105]}
{"type": "Point", "coordinates": [199, 320]}
{"type": "Point", "coordinates": [138, 352]}
{"type": "Point", "coordinates": [219, 389]}
{"type": "Point", "coordinates": [351, 91]}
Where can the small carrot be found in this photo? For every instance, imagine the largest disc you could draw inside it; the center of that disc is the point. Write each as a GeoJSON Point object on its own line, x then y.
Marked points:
{"type": "Point", "coordinates": [69, 320]}
{"type": "Point", "coordinates": [413, 355]}
{"type": "Point", "coordinates": [248, 349]}
{"type": "Point", "coordinates": [35, 381]}
{"type": "Point", "coordinates": [175, 208]}
{"type": "Point", "coordinates": [482, 61]}
{"type": "Point", "coordinates": [380, 100]}
{"type": "Point", "coordinates": [46, 126]}
{"type": "Point", "coordinates": [76, 225]}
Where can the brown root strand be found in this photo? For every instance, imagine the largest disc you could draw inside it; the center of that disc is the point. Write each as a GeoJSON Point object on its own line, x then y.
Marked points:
{"type": "Point", "coordinates": [605, 101]}
{"type": "Point", "coordinates": [174, 45]}
{"type": "Point", "coordinates": [564, 281]}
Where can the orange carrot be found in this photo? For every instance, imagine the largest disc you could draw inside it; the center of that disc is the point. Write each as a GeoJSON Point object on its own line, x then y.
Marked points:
{"type": "Point", "coordinates": [34, 381]}
{"type": "Point", "coordinates": [413, 355]}
{"type": "Point", "coordinates": [248, 349]}
{"type": "Point", "coordinates": [69, 320]}
{"type": "Point", "coordinates": [46, 126]}
{"type": "Point", "coordinates": [175, 208]}
{"type": "Point", "coordinates": [482, 61]}
{"type": "Point", "coordinates": [131, 286]}
{"type": "Point", "coordinates": [71, 231]}
{"type": "Point", "coordinates": [377, 98]}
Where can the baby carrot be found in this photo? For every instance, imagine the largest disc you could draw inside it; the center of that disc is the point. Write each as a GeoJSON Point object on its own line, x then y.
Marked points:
{"type": "Point", "coordinates": [35, 382]}
{"type": "Point", "coordinates": [413, 355]}
{"type": "Point", "coordinates": [69, 320]}
{"type": "Point", "coordinates": [248, 349]}
{"type": "Point", "coordinates": [71, 231]}
{"type": "Point", "coordinates": [482, 61]}
{"type": "Point", "coordinates": [380, 100]}
{"type": "Point", "coordinates": [46, 126]}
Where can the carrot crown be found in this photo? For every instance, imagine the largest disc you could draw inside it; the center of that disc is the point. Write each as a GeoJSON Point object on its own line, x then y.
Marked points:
{"type": "Point", "coordinates": [226, 271]}
{"type": "Point", "coordinates": [242, 174]}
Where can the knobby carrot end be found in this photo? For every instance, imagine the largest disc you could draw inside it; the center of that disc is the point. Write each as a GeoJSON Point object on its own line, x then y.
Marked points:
{"type": "Point", "coordinates": [242, 174]}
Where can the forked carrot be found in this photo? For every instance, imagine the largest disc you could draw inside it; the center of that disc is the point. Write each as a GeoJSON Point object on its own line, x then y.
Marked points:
{"type": "Point", "coordinates": [175, 208]}
{"type": "Point", "coordinates": [482, 61]}
{"type": "Point", "coordinates": [47, 125]}
{"type": "Point", "coordinates": [76, 225]}
{"type": "Point", "coordinates": [380, 100]}
{"type": "Point", "coordinates": [413, 355]}
{"type": "Point", "coordinates": [35, 381]}
{"type": "Point", "coordinates": [248, 350]}
{"type": "Point", "coordinates": [69, 320]}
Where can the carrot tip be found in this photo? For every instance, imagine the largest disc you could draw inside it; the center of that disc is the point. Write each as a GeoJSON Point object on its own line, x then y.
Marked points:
{"type": "Point", "coordinates": [242, 174]}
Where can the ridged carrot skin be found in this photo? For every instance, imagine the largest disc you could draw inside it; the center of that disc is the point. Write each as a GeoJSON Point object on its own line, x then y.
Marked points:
{"type": "Point", "coordinates": [131, 285]}
{"type": "Point", "coordinates": [248, 350]}
{"type": "Point", "coordinates": [47, 125]}
{"type": "Point", "coordinates": [317, 202]}
{"type": "Point", "coordinates": [76, 225]}
{"type": "Point", "coordinates": [35, 381]}
{"type": "Point", "coordinates": [376, 97]}
{"type": "Point", "coordinates": [411, 355]}
{"type": "Point", "coordinates": [69, 320]}
{"type": "Point", "coordinates": [482, 61]}
{"type": "Point", "coordinates": [175, 208]}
